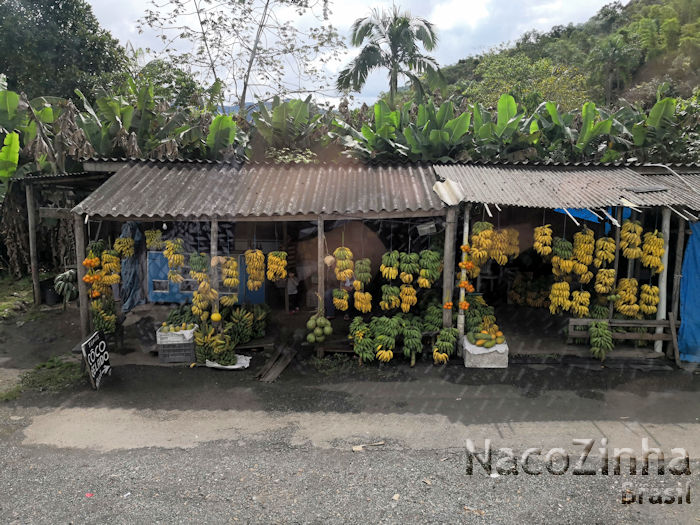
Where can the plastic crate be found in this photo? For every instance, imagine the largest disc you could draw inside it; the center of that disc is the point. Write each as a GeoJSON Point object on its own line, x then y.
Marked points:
{"type": "Point", "coordinates": [167, 338]}
{"type": "Point", "coordinates": [176, 352]}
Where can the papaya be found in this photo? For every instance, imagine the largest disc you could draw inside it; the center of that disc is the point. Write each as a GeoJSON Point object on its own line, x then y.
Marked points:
{"type": "Point", "coordinates": [484, 335]}
{"type": "Point", "coordinates": [471, 338]}
{"type": "Point", "coordinates": [500, 339]}
{"type": "Point", "coordinates": [489, 344]}
{"type": "Point", "coordinates": [499, 334]}
{"type": "Point", "coordinates": [480, 342]}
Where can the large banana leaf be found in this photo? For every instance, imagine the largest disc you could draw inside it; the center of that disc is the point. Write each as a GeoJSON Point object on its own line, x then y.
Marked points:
{"type": "Point", "coordinates": [222, 134]}
{"type": "Point", "coordinates": [9, 156]}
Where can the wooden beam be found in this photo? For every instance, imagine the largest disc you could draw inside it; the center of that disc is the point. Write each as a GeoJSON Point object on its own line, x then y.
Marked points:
{"type": "Point", "coordinates": [678, 269]}
{"type": "Point", "coordinates": [54, 213]}
{"type": "Point", "coordinates": [33, 257]}
{"type": "Point", "coordinates": [213, 268]}
{"type": "Point", "coordinates": [630, 262]}
{"type": "Point", "coordinates": [663, 276]}
{"type": "Point", "coordinates": [79, 234]}
{"type": "Point", "coordinates": [285, 240]}
{"type": "Point", "coordinates": [448, 273]}
{"type": "Point", "coordinates": [321, 268]}
{"type": "Point", "coordinates": [616, 265]}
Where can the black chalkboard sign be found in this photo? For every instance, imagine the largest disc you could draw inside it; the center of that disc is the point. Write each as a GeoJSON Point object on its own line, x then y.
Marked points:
{"type": "Point", "coordinates": [96, 358]}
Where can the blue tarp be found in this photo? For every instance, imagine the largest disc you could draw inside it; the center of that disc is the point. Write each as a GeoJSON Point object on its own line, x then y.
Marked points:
{"type": "Point", "coordinates": [579, 213]}
{"type": "Point", "coordinates": [131, 280]}
{"type": "Point", "coordinates": [689, 334]}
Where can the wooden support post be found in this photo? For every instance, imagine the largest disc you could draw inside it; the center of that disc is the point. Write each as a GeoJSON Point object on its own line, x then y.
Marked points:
{"type": "Point", "coordinates": [463, 274]}
{"type": "Point", "coordinates": [678, 269]}
{"type": "Point", "coordinates": [662, 310]}
{"type": "Point", "coordinates": [448, 272]}
{"type": "Point", "coordinates": [213, 268]}
{"type": "Point", "coordinates": [321, 286]}
{"type": "Point", "coordinates": [616, 265]}
{"type": "Point", "coordinates": [79, 234]}
{"type": "Point", "coordinates": [33, 257]}
{"type": "Point", "coordinates": [285, 240]}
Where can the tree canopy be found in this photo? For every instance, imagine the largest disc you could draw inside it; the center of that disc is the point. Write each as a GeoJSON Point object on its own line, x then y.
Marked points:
{"type": "Point", "coordinates": [55, 46]}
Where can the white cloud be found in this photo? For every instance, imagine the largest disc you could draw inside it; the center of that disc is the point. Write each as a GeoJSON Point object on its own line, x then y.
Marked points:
{"type": "Point", "coordinates": [459, 14]}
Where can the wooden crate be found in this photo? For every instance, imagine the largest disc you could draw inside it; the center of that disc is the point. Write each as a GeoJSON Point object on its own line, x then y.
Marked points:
{"type": "Point", "coordinates": [176, 352]}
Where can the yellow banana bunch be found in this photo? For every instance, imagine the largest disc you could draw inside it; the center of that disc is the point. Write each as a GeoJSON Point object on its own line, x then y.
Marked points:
{"type": "Point", "coordinates": [499, 246]}
{"type": "Point", "coordinates": [342, 253]}
{"type": "Point", "coordinates": [111, 263]}
{"type": "Point", "coordinates": [439, 358]}
{"type": "Point", "coordinates": [154, 240]}
{"type": "Point", "coordinates": [199, 276]}
{"type": "Point", "coordinates": [125, 247]}
{"type": "Point", "coordinates": [406, 278]}
{"type": "Point", "coordinates": [363, 302]}
{"type": "Point", "coordinates": [630, 239]}
{"type": "Point", "coordinates": [408, 297]}
{"type": "Point", "coordinates": [604, 281]}
{"type": "Point", "coordinates": [626, 302]}
{"type": "Point", "coordinates": [230, 272]}
{"type": "Point", "coordinates": [584, 244]}
{"type": "Point", "coordinates": [176, 259]}
{"type": "Point", "coordinates": [423, 281]}
{"type": "Point", "coordinates": [512, 242]}
{"type": "Point", "coordinates": [561, 266]}
{"type": "Point", "coordinates": [384, 355]}
{"type": "Point", "coordinates": [559, 297]}
{"type": "Point", "coordinates": [276, 266]}
{"type": "Point", "coordinates": [482, 240]}
{"type": "Point", "coordinates": [340, 299]}
{"type": "Point", "coordinates": [543, 240]}
{"type": "Point", "coordinates": [389, 272]}
{"type": "Point", "coordinates": [604, 251]}
{"type": "Point", "coordinates": [648, 299]}
{"type": "Point", "coordinates": [255, 266]}
{"type": "Point", "coordinates": [579, 303]}
{"type": "Point", "coordinates": [229, 300]}
{"type": "Point", "coordinates": [357, 285]}
{"type": "Point", "coordinates": [652, 251]}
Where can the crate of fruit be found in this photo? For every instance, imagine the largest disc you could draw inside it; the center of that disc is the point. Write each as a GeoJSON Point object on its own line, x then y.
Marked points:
{"type": "Point", "coordinates": [174, 334]}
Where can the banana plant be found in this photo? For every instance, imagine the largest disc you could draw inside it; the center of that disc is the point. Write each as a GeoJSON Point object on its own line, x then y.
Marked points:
{"type": "Point", "coordinates": [380, 139]}
{"type": "Point", "coordinates": [437, 135]}
{"type": "Point", "coordinates": [289, 124]}
{"type": "Point", "coordinates": [592, 128]}
{"type": "Point", "coordinates": [505, 138]}
{"type": "Point", "coordinates": [224, 139]}
{"type": "Point", "coordinates": [9, 156]}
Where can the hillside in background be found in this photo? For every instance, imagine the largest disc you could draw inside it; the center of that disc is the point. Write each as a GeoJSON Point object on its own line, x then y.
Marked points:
{"type": "Point", "coordinates": [623, 52]}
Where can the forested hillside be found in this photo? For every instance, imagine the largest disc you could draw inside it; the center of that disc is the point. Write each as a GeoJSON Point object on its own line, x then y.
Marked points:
{"type": "Point", "coordinates": [623, 52]}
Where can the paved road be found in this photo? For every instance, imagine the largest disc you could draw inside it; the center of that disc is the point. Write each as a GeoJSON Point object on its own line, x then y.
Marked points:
{"type": "Point", "coordinates": [176, 445]}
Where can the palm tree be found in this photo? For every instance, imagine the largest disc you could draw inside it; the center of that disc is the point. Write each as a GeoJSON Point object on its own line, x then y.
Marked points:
{"type": "Point", "coordinates": [393, 39]}
{"type": "Point", "coordinates": [612, 62]}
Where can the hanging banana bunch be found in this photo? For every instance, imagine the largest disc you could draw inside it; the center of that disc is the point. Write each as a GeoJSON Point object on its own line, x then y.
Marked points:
{"type": "Point", "coordinates": [408, 266]}
{"type": "Point", "coordinates": [559, 298]}
{"type": "Point", "coordinates": [579, 303]}
{"type": "Point", "coordinates": [408, 297]}
{"type": "Point", "coordinates": [543, 240]}
{"type": "Point", "coordinates": [255, 267]}
{"type": "Point", "coordinates": [173, 252]}
{"type": "Point", "coordinates": [363, 301]}
{"type": "Point", "coordinates": [604, 251]}
{"type": "Point", "coordinates": [430, 264]}
{"type": "Point", "coordinates": [363, 273]}
{"type": "Point", "coordinates": [229, 270]}
{"type": "Point", "coordinates": [562, 258]}
{"type": "Point", "coordinates": [512, 242]}
{"type": "Point", "coordinates": [154, 240]}
{"type": "Point", "coordinates": [340, 299]}
{"type": "Point", "coordinates": [390, 265]}
{"type": "Point", "coordinates": [199, 266]}
{"type": "Point", "coordinates": [604, 281]}
{"type": "Point", "coordinates": [111, 269]}
{"type": "Point", "coordinates": [344, 265]}
{"type": "Point", "coordinates": [124, 246]}
{"type": "Point", "coordinates": [626, 293]}
{"type": "Point", "coordinates": [276, 266]}
{"type": "Point", "coordinates": [391, 297]}
{"type": "Point", "coordinates": [499, 247]}
{"type": "Point", "coordinates": [630, 239]}
{"type": "Point", "coordinates": [584, 244]}
{"type": "Point", "coordinates": [482, 239]}
{"type": "Point", "coordinates": [648, 299]}
{"type": "Point", "coordinates": [653, 250]}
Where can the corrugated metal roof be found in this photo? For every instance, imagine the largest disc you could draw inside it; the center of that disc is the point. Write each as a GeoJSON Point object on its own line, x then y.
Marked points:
{"type": "Point", "coordinates": [190, 191]}
{"type": "Point", "coordinates": [563, 187]}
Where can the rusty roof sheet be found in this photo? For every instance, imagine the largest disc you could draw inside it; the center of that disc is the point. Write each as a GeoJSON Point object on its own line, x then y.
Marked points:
{"type": "Point", "coordinates": [221, 191]}
{"type": "Point", "coordinates": [565, 186]}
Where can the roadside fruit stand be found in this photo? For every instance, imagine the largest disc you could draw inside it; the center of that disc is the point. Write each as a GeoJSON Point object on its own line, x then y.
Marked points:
{"type": "Point", "coordinates": [424, 297]}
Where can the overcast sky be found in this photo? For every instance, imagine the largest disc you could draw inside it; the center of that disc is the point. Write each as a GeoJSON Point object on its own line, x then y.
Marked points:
{"type": "Point", "coordinates": [465, 27]}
